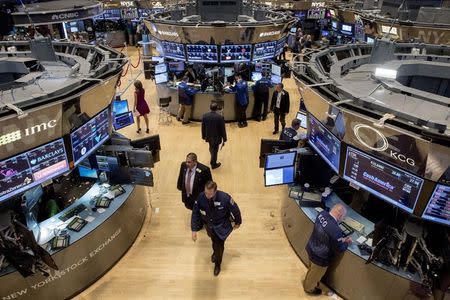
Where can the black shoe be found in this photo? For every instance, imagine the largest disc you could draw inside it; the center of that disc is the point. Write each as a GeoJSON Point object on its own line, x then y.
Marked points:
{"type": "Point", "coordinates": [245, 124]}
{"type": "Point", "coordinates": [138, 131]}
{"type": "Point", "coordinates": [275, 132]}
{"type": "Point", "coordinates": [240, 125]}
{"type": "Point", "coordinates": [184, 123]}
{"type": "Point", "coordinates": [147, 131]}
{"type": "Point", "coordinates": [178, 119]}
{"type": "Point", "coordinates": [216, 166]}
{"type": "Point", "coordinates": [316, 291]}
{"type": "Point", "coordinates": [258, 119]}
{"type": "Point", "coordinates": [213, 258]}
{"type": "Point", "coordinates": [216, 270]}
{"type": "Point", "coordinates": [264, 118]}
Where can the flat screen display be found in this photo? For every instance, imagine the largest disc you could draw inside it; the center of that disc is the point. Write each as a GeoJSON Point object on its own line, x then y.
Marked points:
{"type": "Point", "coordinates": [123, 120]}
{"type": "Point", "coordinates": [235, 53]}
{"type": "Point", "coordinates": [438, 208]}
{"type": "Point", "coordinates": [228, 72]}
{"type": "Point", "coordinates": [370, 40]}
{"type": "Point", "coordinates": [347, 29]}
{"type": "Point", "coordinates": [279, 160]}
{"type": "Point", "coordinates": [334, 25]}
{"type": "Point", "coordinates": [275, 79]}
{"type": "Point", "coordinates": [276, 70]}
{"type": "Point", "coordinates": [280, 46]}
{"type": "Point", "coordinates": [325, 33]}
{"type": "Point", "coordinates": [256, 76]}
{"type": "Point", "coordinates": [279, 176]}
{"type": "Point", "coordinates": [161, 78]}
{"type": "Point", "coordinates": [389, 183]}
{"type": "Point", "coordinates": [160, 68]}
{"type": "Point", "coordinates": [173, 50]}
{"type": "Point", "coordinates": [293, 29]}
{"type": "Point", "coordinates": [90, 136]}
{"type": "Point", "coordinates": [159, 59]}
{"type": "Point", "coordinates": [176, 66]}
{"type": "Point", "coordinates": [264, 50]}
{"type": "Point", "coordinates": [202, 53]}
{"type": "Point", "coordinates": [107, 163]}
{"type": "Point", "coordinates": [324, 142]}
{"type": "Point", "coordinates": [87, 172]}
{"type": "Point", "coordinates": [31, 168]}
{"type": "Point", "coordinates": [120, 107]}
{"type": "Point", "coordinates": [301, 116]}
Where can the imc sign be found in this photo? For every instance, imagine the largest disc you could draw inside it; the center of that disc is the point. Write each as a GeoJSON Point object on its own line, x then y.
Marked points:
{"type": "Point", "coordinates": [37, 128]}
{"type": "Point", "coordinates": [401, 149]}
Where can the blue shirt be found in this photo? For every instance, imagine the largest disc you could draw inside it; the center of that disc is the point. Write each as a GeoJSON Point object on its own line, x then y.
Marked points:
{"type": "Point", "coordinates": [215, 214]}
{"type": "Point", "coordinates": [262, 86]}
{"type": "Point", "coordinates": [185, 93]}
{"type": "Point", "coordinates": [324, 242]}
{"type": "Point", "coordinates": [241, 89]}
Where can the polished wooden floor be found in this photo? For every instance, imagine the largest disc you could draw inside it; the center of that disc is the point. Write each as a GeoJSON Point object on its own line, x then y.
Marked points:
{"type": "Point", "coordinates": [164, 263]}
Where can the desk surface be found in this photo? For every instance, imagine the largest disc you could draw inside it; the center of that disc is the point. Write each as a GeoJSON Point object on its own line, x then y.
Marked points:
{"type": "Point", "coordinates": [312, 213]}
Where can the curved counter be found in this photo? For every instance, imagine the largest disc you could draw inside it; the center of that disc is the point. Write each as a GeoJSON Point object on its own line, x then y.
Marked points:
{"type": "Point", "coordinates": [349, 275]}
{"type": "Point", "coordinates": [92, 251]}
{"type": "Point", "coordinates": [202, 101]}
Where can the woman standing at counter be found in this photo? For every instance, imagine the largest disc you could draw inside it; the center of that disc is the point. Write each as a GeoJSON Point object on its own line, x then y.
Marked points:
{"type": "Point", "coordinates": [140, 105]}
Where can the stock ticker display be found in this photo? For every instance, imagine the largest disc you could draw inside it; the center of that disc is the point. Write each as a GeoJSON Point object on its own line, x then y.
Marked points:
{"type": "Point", "coordinates": [173, 50]}
{"type": "Point", "coordinates": [264, 50]}
{"type": "Point", "coordinates": [89, 136]}
{"type": "Point", "coordinates": [235, 53]}
{"type": "Point", "coordinates": [438, 208]}
{"type": "Point", "coordinates": [389, 183]}
{"type": "Point", "coordinates": [31, 168]}
{"type": "Point", "coordinates": [202, 53]}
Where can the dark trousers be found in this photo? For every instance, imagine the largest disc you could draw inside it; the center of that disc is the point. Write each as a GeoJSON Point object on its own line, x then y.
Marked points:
{"type": "Point", "coordinates": [218, 247]}
{"type": "Point", "coordinates": [213, 149]}
{"type": "Point", "coordinates": [241, 114]}
{"type": "Point", "coordinates": [188, 201]}
{"type": "Point", "coordinates": [279, 118]}
{"type": "Point", "coordinates": [261, 102]}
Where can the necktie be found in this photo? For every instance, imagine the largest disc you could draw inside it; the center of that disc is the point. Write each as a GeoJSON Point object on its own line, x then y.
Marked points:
{"type": "Point", "coordinates": [188, 183]}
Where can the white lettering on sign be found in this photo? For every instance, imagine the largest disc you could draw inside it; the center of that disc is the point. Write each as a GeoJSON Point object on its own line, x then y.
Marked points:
{"type": "Point", "coordinates": [168, 33]}
{"type": "Point", "coordinates": [17, 134]}
{"type": "Point", "coordinates": [65, 16]}
{"type": "Point", "coordinates": [318, 4]}
{"type": "Point", "coordinates": [269, 33]}
{"type": "Point", "coordinates": [127, 3]}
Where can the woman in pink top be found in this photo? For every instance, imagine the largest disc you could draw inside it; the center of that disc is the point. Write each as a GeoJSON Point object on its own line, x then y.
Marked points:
{"type": "Point", "coordinates": [140, 105]}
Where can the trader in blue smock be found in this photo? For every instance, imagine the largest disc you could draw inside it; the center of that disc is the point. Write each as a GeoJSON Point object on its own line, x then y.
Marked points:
{"type": "Point", "coordinates": [185, 98]}
{"type": "Point", "coordinates": [241, 90]}
{"type": "Point", "coordinates": [215, 209]}
{"type": "Point", "coordinates": [325, 242]}
{"type": "Point", "coordinates": [261, 93]}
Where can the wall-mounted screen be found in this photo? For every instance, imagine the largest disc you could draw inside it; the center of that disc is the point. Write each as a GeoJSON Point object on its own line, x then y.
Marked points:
{"type": "Point", "coordinates": [31, 168]}
{"type": "Point", "coordinates": [160, 68]}
{"type": "Point", "coordinates": [387, 182]}
{"type": "Point", "coordinates": [235, 53]}
{"type": "Point", "coordinates": [280, 46]}
{"type": "Point", "coordinates": [324, 142]}
{"type": "Point", "coordinates": [161, 78]}
{"type": "Point", "coordinates": [301, 116]}
{"type": "Point", "coordinates": [123, 120]}
{"type": "Point", "coordinates": [173, 50]}
{"type": "Point", "coordinates": [438, 208]}
{"type": "Point", "coordinates": [202, 53]}
{"type": "Point", "coordinates": [90, 136]}
{"type": "Point", "coordinates": [264, 50]}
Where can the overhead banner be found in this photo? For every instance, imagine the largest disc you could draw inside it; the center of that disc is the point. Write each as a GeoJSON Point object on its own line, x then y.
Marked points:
{"type": "Point", "coordinates": [50, 17]}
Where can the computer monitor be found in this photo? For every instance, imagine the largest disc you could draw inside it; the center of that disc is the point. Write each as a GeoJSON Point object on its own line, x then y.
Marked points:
{"type": "Point", "coordinates": [161, 78]}
{"type": "Point", "coordinates": [107, 163]}
{"type": "Point", "coordinates": [176, 66]}
{"type": "Point", "coordinates": [276, 70]}
{"type": "Point", "coordinates": [140, 158]}
{"type": "Point", "coordinates": [370, 40]}
{"type": "Point", "coordinates": [173, 50]}
{"type": "Point", "coordinates": [141, 176]}
{"type": "Point", "coordinates": [325, 33]}
{"type": "Point", "coordinates": [264, 50]}
{"type": "Point", "coordinates": [120, 107]}
{"type": "Point", "coordinates": [279, 160]}
{"type": "Point", "coordinates": [279, 176]}
{"type": "Point", "coordinates": [256, 76]}
{"type": "Point", "coordinates": [347, 29]}
{"type": "Point", "coordinates": [334, 25]}
{"type": "Point", "coordinates": [271, 146]}
{"type": "Point", "coordinates": [301, 116]}
{"type": "Point", "coordinates": [202, 53]}
{"type": "Point", "coordinates": [31, 197]}
{"type": "Point", "coordinates": [87, 172]}
{"type": "Point", "coordinates": [160, 68]}
{"type": "Point", "coordinates": [235, 53]}
{"type": "Point", "coordinates": [123, 120]}
{"type": "Point", "coordinates": [228, 72]}
{"type": "Point", "coordinates": [438, 207]}
{"type": "Point", "coordinates": [293, 29]}
{"type": "Point", "coordinates": [150, 143]}
{"type": "Point", "coordinates": [275, 79]}
{"type": "Point", "coordinates": [159, 59]}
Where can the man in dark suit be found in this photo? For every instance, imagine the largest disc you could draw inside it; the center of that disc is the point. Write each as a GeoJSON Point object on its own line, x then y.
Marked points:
{"type": "Point", "coordinates": [280, 107]}
{"type": "Point", "coordinates": [192, 179]}
{"type": "Point", "coordinates": [213, 132]}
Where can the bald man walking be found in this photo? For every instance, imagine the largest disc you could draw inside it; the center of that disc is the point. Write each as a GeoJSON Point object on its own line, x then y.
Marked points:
{"type": "Point", "coordinates": [325, 242]}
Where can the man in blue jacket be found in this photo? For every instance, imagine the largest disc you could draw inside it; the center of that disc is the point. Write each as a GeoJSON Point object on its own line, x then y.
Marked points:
{"type": "Point", "coordinates": [241, 90]}
{"type": "Point", "coordinates": [215, 209]}
{"type": "Point", "coordinates": [261, 93]}
{"type": "Point", "coordinates": [325, 242]}
{"type": "Point", "coordinates": [185, 98]}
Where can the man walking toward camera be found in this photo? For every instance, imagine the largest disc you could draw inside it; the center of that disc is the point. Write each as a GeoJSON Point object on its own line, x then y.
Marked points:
{"type": "Point", "coordinates": [215, 209]}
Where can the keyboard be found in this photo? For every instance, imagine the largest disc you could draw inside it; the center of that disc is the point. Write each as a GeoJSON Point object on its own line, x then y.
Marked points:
{"type": "Point", "coordinates": [72, 212]}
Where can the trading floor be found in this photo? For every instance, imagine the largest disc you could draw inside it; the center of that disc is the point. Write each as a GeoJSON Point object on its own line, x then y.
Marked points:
{"type": "Point", "coordinates": [164, 262]}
